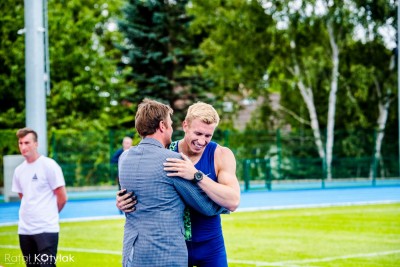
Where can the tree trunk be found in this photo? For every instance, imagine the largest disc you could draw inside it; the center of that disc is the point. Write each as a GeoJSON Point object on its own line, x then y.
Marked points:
{"type": "Point", "coordinates": [383, 105]}
{"type": "Point", "coordinates": [308, 97]}
{"type": "Point", "coordinates": [332, 102]}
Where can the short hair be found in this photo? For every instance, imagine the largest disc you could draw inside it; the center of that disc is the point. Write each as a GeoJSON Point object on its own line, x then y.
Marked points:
{"type": "Point", "coordinates": [205, 112]}
{"type": "Point", "coordinates": [25, 131]}
{"type": "Point", "coordinates": [149, 115]}
{"type": "Point", "coordinates": [126, 138]}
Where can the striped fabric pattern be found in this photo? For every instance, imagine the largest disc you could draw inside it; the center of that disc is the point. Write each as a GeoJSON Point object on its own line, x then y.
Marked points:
{"type": "Point", "coordinates": [154, 233]}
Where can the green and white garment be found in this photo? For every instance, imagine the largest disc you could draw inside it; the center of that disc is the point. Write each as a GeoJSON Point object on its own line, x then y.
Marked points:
{"type": "Point", "coordinates": [186, 215]}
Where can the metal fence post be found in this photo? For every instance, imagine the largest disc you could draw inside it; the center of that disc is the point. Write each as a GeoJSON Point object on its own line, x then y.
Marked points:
{"type": "Point", "coordinates": [246, 175]}
{"type": "Point", "coordinates": [324, 172]}
{"type": "Point", "coordinates": [279, 150]}
{"type": "Point", "coordinates": [375, 159]}
{"type": "Point", "coordinates": [268, 180]}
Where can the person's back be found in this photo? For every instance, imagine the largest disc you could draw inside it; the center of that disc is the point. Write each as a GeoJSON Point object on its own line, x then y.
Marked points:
{"type": "Point", "coordinates": [154, 233]}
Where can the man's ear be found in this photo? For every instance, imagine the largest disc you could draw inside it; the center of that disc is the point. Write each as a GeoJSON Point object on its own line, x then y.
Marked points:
{"type": "Point", "coordinates": [185, 125]}
{"type": "Point", "coordinates": [161, 126]}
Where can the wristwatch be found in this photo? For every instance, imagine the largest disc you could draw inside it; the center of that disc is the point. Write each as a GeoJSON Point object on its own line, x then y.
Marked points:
{"type": "Point", "coordinates": [198, 176]}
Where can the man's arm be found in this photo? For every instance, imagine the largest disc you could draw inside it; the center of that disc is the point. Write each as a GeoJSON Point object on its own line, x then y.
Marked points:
{"type": "Point", "coordinates": [126, 202]}
{"type": "Point", "coordinates": [61, 195]}
{"type": "Point", "coordinates": [197, 199]}
{"type": "Point", "coordinates": [227, 191]}
{"type": "Point", "coordinates": [191, 194]}
{"type": "Point", "coordinates": [115, 157]}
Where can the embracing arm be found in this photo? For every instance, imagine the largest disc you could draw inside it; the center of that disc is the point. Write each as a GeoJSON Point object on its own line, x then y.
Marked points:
{"type": "Point", "coordinates": [227, 191]}
{"type": "Point", "coordinates": [191, 194]}
{"type": "Point", "coordinates": [196, 198]}
{"type": "Point", "coordinates": [126, 201]}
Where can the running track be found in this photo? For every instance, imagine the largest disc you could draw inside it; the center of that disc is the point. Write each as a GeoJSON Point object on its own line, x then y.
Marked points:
{"type": "Point", "coordinates": [103, 206]}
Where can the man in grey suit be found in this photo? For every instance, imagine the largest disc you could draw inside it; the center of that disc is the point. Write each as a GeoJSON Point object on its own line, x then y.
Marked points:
{"type": "Point", "coordinates": [154, 233]}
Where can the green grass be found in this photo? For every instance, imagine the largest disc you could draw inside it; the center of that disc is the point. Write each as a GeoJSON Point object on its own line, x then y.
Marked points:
{"type": "Point", "coordinates": [350, 236]}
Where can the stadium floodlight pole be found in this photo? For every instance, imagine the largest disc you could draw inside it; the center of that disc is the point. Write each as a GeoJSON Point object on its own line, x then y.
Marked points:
{"type": "Point", "coordinates": [35, 94]}
{"type": "Point", "coordinates": [398, 74]}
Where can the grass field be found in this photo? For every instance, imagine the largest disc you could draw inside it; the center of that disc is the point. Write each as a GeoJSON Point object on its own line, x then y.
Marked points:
{"type": "Point", "coordinates": [350, 236]}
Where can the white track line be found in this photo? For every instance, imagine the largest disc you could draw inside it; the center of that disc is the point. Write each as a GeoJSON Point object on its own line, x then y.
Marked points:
{"type": "Point", "coordinates": [84, 250]}
{"type": "Point", "coordinates": [317, 205]}
{"type": "Point", "coordinates": [256, 263]}
{"type": "Point", "coordinates": [79, 219]}
{"type": "Point", "coordinates": [326, 259]}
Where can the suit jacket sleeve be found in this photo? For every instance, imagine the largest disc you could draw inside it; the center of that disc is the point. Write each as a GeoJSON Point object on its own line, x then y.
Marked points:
{"type": "Point", "coordinates": [115, 157]}
{"type": "Point", "coordinates": [196, 198]}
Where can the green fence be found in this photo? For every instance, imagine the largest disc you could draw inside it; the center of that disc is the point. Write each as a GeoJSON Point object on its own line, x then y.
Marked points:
{"type": "Point", "coordinates": [263, 158]}
{"type": "Point", "coordinates": [262, 174]}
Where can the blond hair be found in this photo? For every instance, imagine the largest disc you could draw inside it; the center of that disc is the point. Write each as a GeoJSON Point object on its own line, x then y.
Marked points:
{"type": "Point", "coordinates": [205, 112]}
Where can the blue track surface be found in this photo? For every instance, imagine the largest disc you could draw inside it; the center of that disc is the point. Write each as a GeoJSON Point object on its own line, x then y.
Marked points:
{"type": "Point", "coordinates": [96, 207]}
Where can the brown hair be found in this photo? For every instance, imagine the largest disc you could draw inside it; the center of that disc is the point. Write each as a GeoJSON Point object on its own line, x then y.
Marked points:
{"type": "Point", "coordinates": [149, 115]}
{"type": "Point", "coordinates": [25, 131]}
{"type": "Point", "coordinates": [205, 112]}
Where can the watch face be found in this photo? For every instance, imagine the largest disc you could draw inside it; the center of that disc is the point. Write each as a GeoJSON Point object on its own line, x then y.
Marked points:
{"type": "Point", "coordinates": [198, 176]}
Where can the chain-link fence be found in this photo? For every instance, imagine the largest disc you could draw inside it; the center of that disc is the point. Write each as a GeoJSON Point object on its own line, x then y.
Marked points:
{"type": "Point", "coordinates": [262, 157]}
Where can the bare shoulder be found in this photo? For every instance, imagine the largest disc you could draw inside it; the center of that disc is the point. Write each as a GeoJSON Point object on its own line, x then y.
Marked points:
{"type": "Point", "coordinates": [224, 157]}
{"type": "Point", "coordinates": [225, 166]}
{"type": "Point", "coordinates": [221, 152]}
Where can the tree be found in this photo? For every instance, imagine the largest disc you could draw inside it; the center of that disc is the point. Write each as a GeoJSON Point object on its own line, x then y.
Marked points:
{"type": "Point", "coordinates": [84, 79]}
{"type": "Point", "coordinates": [313, 39]}
{"type": "Point", "coordinates": [12, 61]}
{"type": "Point", "coordinates": [237, 44]}
{"type": "Point", "coordinates": [161, 53]}
{"type": "Point", "coordinates": [373, 60]}
{"type": "Point", "coordinates": [86, 87]}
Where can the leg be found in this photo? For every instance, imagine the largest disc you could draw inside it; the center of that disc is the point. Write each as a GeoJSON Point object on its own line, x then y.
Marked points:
{"type": "Point", "coordinates": [191, 254]}
{"type": "Point", "coordinates": [29, 249]}
{"type": "Point", "coordinates": [47, 244]}
{"type": "Point", "coordinates": [209, 253]}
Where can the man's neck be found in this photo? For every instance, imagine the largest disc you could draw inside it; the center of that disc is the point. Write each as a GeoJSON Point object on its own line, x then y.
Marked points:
{"type": "Point", "coordinates": [32, 158]}
{"type": "Point", "coordinates": [185, 149]}
{"type": "Point", "coordinates": [157, 136]}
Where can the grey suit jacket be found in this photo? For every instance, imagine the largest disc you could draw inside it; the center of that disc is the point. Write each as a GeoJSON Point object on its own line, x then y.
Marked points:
{"type": "Point", "coordinates": [154, 233]}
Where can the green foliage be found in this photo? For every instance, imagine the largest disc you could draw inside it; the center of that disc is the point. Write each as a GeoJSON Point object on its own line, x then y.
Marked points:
{"type": "Point", "coordinates": [85, 85]}
{"type": "Point", "coordinates": [161, 53]}
{"type": "Point", "coordinates": [85, 156]}
{"type": "Point", "coordinates": [367, 80]}
{"type": "Point", "coordinates": [12, 83]}
{"type": "Point", "coordinates": [183, 51]}
{"type": "Point", "coordinates": [8, 146]}
{"type": "Point", "coordinates": [237, 44]}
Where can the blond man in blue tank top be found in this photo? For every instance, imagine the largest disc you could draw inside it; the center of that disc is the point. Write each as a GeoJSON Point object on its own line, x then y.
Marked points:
{"type": "Point", "coordinates": [213, 168]}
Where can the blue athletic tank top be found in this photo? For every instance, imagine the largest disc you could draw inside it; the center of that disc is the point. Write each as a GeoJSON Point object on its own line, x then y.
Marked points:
{"type": "Point", "coordinates": [205, 227]}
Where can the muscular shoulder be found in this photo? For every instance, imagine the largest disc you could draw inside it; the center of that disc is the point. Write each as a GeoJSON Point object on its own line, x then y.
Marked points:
{"type": "Point", "coordinates": [223, 156]}
{"type": "Point", "coordinates": [222, 151]}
